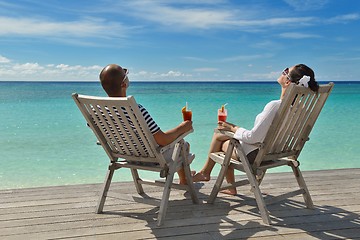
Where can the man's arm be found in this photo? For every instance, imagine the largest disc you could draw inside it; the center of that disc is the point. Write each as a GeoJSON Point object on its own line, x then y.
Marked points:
{"type": "Point", "coordinates": [164, 138]}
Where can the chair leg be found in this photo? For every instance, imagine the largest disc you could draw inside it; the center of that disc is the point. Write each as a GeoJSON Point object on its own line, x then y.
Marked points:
{"type": "Point", "coordinates": [254, 186]}
{"type": "Point", "coordinates": [260, 176]}
{"type": "Point", "coordinates": [105, 188]}
{"type": "Point", "coordinates": [260, 201]}
{"type": "Point", "coordinates": [188, 176]}
{"type": "Point", "coordinates": [167, 187]}
{"type": "Point", "coordinates": [136, 179]}
{"type": "Point", "coordinates": [218, 183]}
{"type": "Point", "coordinates": [301, 182]}
{"type": "Point", "coordinates": [166, 194]}
{"type": "Point", "coordinates": [223, 170]}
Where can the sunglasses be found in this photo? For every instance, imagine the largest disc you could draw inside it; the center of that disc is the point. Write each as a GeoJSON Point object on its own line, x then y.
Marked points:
{"type": "Point", "coordinates": [285, 72]}
{"type": "Point", "coordinates": [126, 71]}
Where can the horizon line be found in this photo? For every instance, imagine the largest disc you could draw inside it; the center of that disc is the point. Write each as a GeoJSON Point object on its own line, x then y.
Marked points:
{"type": "Point", "coordinates": [165, 81]}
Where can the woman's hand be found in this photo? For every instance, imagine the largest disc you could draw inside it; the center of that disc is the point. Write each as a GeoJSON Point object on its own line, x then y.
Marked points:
{"type": "Point", "coordinates": [226, 126]}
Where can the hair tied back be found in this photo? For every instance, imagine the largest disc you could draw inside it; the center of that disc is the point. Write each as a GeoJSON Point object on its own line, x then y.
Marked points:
{"type": "Point", "coordinates": [304, 81]}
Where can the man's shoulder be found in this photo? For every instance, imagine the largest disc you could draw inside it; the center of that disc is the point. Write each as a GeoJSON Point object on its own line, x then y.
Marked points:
{"type": "Point", "coordinates": [141, 107]}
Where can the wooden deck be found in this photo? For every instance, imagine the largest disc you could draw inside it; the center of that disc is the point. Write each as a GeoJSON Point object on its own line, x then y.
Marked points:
{"type": "Point", "coordinates": [67, 212]}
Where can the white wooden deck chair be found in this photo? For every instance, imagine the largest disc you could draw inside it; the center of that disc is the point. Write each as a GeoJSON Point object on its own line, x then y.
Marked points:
{"type": "Point", "coordinates": [123, 133]}
{"type": "Point", "coordinates": [282, 145]}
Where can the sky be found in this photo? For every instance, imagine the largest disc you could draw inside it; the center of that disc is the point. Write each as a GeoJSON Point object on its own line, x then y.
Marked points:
{"type": "Point", "coordinates": [178, 40]}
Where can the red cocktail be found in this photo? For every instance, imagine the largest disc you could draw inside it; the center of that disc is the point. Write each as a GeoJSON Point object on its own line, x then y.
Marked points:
{"type": "Point", "coordinates": [222, 113]}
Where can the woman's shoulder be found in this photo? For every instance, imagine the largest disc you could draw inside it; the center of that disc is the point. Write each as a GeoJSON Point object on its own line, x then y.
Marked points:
{"type": "Point", "coordinates": [274, 104]}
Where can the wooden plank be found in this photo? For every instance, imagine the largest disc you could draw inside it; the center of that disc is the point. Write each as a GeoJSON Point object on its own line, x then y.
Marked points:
{"type": "Point", "coordinates": [68, 212]}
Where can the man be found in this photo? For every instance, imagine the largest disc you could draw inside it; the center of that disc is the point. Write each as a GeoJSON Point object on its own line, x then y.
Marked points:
{"type": "Point", "coordinates": [115, 82]}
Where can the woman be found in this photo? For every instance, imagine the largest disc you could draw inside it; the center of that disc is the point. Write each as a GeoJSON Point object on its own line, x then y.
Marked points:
{"type": "Point", "coordinates": [299, 74]}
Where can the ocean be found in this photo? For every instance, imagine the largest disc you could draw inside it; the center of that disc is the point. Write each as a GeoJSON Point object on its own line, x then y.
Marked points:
{"type": "Point", "coordinates": [44, 140]}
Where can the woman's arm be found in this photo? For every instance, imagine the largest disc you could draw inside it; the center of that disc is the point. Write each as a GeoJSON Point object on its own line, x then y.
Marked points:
{"type": "Point", "coordinates": [261, 126]}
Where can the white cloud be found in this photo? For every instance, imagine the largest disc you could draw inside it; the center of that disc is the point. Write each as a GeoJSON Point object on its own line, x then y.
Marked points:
{"type": "Point", "coordinates": [304, 5]}
{"type": "Point", "coordinates": [263, 76]}
{"type": "Point", "coordinates": [37, 72]}
{"type": "Point", "coordinates": [206, 70]}
{"type": "Point", "coordinates": [89, 27]}
{"type": "Point", "coordinates": [195, 16]}
{"type": "Point", "coordinates": [181, 17]}
{"type": "Point", "coordinates": [297, 35]}
{"type": "Point", "coordinates": [272, 22]}
{"type": "Point", "coordinates": [197, 59]}
{"type": "Point", "coordinates": [158, 76]}
{"type": "Point", "coordinates": [27, 68]}
{"type": "Point", "coordinates": [4, 59]}
{"type": "Point", "coordinates": [172, 74]}
{"type": "Point", "coordinates": [345, 18]}
{"type": "Point", "coordinates": [245, 57]}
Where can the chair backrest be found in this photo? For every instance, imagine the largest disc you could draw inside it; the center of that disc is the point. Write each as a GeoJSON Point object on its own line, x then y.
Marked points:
{"type": "Point", "coordinates": [120, 127]}
{"type": "Point", "coordinates": [293, 122]}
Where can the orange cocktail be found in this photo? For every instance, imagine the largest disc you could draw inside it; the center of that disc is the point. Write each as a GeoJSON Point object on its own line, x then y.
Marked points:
{"type": "Point", "coordinates": [187, 113]}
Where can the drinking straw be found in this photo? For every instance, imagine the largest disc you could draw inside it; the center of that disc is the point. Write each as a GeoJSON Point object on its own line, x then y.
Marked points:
{"type": "Point", "coordinates": [186, 106]}
{"type": "Point", "coordinates": [224, 105]}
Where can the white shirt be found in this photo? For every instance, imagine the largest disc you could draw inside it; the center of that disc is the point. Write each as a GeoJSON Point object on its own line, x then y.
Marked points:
{"type": "Point", "coordinates": [261, 126]}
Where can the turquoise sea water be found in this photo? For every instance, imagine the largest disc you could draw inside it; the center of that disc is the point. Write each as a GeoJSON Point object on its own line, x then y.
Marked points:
{"type": "Point", "coordinates": [44, 140]}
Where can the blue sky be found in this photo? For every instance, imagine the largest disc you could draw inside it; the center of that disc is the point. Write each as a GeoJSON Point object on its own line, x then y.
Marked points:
{"type": "Point", "coordinates": [177, 40]}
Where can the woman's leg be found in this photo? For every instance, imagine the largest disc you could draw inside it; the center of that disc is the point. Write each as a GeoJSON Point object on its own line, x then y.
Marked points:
{"type": "Point", "coordinates": [215, 146]}
{"type": "Point", "coordinates": [230, 178]}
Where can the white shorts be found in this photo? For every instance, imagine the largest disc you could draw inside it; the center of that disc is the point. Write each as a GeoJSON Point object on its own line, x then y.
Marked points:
{"type": "Point", "coordinates": [168, 153]}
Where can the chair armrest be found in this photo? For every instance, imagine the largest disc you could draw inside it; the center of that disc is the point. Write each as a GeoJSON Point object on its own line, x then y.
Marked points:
{"type": "Point", "coordinates": [231, 135]}
{"type": "Point", "coordinates": [172, 144]}
{"type": "Point", "coordinates": [227, 133]}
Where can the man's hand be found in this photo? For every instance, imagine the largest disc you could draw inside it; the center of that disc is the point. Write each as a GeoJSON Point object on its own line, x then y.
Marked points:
{"type": "Point", "coordinates": [186, 126]}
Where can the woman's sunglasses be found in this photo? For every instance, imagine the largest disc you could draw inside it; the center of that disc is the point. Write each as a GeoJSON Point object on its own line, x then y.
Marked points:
{"type": "Point", "coordinates": [285, 72]}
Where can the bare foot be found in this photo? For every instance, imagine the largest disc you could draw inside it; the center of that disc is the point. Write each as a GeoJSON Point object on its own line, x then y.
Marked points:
{"type": "Point", "coordinates": [201, 177]}
{"type": "Point", "coordinates": [230, 191]}
{"type": "Point", "coordinates": [183, 181]}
